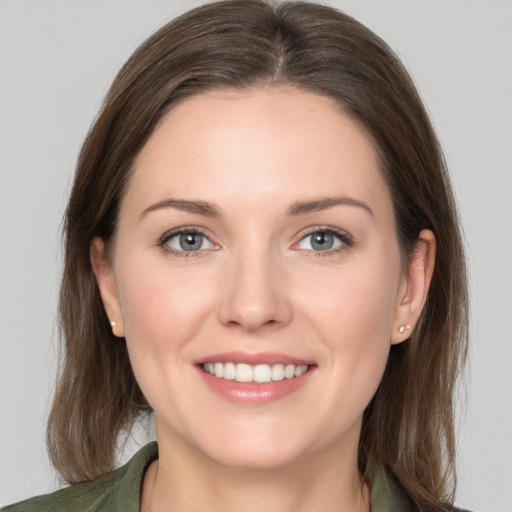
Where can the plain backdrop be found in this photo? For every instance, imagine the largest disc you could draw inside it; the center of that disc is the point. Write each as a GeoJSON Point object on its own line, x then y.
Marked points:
{"type": "Point", "coordinates": [57, 58]}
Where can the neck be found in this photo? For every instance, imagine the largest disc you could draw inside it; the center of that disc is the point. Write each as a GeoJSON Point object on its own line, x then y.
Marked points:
{"type": "Point", "coordinates": [184, 479]}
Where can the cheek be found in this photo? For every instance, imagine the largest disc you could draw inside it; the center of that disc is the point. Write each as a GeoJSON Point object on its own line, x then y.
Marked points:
{"type": "Point", "coordinates": [354, 320]}
{"type": "Point", "coordinates": [356, 305]}
{"type": "Point", "coordinates": [162, 310]}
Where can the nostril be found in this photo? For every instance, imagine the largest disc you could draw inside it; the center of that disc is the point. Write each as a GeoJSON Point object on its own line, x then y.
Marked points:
{"type": "Point", "coordinates": [253, 298]}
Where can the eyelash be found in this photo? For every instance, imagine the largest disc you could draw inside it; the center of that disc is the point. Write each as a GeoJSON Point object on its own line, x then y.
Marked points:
{"type": "Point", "coordinates": [164, 239]}
{"type": "Point", "coordinates": [345, 239]}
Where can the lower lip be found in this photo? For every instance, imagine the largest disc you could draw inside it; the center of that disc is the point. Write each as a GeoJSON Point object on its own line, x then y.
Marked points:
{"type": "Point", "coordinates": [252, 393]}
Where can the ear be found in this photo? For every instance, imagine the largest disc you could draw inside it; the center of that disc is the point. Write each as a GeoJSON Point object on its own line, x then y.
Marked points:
{"type": "Point", "coordinates": [414, 288]}
{"type": "Point", "coordinates": [105, 278]}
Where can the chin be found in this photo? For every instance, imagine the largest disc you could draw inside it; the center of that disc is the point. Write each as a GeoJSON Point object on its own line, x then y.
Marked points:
{"type": "Point", "coordinates": [255, 457]}
{"type": "Point", "coordinates": [259, 445]}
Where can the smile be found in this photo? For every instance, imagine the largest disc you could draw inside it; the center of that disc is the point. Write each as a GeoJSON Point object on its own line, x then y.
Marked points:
{"type": "Point", "coordinates": [260, 373]}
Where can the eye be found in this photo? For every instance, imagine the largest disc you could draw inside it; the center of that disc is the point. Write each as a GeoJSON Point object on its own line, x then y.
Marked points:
{"type": "Point", "coordinates": [187, 241]}
{"type": "Point", "coordinates": [322, 240]}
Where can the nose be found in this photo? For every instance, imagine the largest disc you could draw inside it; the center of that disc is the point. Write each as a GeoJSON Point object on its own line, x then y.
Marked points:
{"type": "Point", "coordinates": [254, 293]}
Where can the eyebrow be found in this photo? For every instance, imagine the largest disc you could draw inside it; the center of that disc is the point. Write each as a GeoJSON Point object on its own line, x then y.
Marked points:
{"type": "Point", "coordinates": [316, 205]}
{"type": "Point", "coordinates": [197, 207]}
{"type": "Point", "coordinates": [297, 208]}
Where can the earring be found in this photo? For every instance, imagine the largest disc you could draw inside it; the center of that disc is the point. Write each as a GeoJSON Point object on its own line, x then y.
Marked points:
{"type": "Point", "coordinates": [113, 325]}
{"type": "Point", "coordinates": [402, 328]}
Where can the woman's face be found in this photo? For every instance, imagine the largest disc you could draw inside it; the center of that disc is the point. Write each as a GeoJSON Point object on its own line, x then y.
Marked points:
{"type": "Point", "coordinates": [256, 240]}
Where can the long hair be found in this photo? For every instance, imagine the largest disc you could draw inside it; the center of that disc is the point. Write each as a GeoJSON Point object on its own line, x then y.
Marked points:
{"type": "Point", "coordinates": [408, 428]}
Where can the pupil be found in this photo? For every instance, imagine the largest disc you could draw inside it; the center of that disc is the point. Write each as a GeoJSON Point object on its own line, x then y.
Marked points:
{"type": "Point", "coordinates": [190, 241]}
{"type": "Point", "coordinates": [322, 241]}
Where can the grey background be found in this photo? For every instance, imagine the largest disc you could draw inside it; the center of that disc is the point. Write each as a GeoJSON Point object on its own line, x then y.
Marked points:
{"type": "Point", "coordinates": [57, 59]}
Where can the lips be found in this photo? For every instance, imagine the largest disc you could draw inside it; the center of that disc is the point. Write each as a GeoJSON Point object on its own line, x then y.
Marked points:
{"type": "Point", "coordinates": [254, 378]}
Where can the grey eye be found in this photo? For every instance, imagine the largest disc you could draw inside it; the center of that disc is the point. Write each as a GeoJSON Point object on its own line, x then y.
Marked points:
{"type": "Point", "coordinates": [320, 241]}
{"type": "Point", "coordinates": [189, 241]}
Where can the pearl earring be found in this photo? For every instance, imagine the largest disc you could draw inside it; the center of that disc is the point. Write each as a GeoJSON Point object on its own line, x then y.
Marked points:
{"type": "Point", "coordinates": [402, 328]}
{"type": "Point", "coordinates": [113, 325]}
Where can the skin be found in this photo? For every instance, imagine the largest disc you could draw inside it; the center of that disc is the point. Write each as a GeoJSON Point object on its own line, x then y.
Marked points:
{"type": "Point", "coordinates": [257, 285]}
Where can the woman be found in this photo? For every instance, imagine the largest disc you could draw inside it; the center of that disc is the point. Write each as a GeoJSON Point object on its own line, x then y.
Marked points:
{"type": "Point", "coordinates": [262, 248]}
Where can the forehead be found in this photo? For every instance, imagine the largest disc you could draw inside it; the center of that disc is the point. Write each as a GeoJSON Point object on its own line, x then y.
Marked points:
{"type": "Point", "coordinates": [260, 142]}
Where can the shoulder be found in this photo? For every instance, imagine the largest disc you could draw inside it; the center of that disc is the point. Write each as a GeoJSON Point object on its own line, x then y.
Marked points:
{"type": "Point", "coordinates": [385, 497]}
{"type": "Point", "coordinates": [88, 497]}
{"type": "Point", "coordinates": [119, 490]}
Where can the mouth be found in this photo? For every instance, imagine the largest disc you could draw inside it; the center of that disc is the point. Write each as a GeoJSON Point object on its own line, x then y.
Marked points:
{"type": "Point", "coordinates": [259, 373]}
{"type": "Point", "coordinates": [254, 379]}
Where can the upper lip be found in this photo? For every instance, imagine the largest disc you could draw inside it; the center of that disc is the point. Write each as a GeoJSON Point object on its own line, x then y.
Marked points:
{"type": "Point", "coordinates": [252, 359]}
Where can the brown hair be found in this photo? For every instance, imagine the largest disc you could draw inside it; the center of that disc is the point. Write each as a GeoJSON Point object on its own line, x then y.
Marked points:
{"type": "Point", "coordinates": [408, 429]}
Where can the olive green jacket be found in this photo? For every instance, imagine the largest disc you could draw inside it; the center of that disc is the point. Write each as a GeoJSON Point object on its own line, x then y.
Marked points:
{"type": "Point", "coordinates": [119, 491]}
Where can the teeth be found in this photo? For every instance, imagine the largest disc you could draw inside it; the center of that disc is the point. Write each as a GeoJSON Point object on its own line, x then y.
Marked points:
{"type": "Point", "coordinates": [229, 371]}
{"type": "Point", "coordinates": [259, 373]}
{"type": "Point", "coordinates": [289, 371]}
{"type": "Point", "coordinates": [277, 372]}
{"type": "Point", "coordinates": [243, 373]}
{"type": "Point", "coordinates": [262, 373]}
{"type": "Point", "coordinates": [300, 370]}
